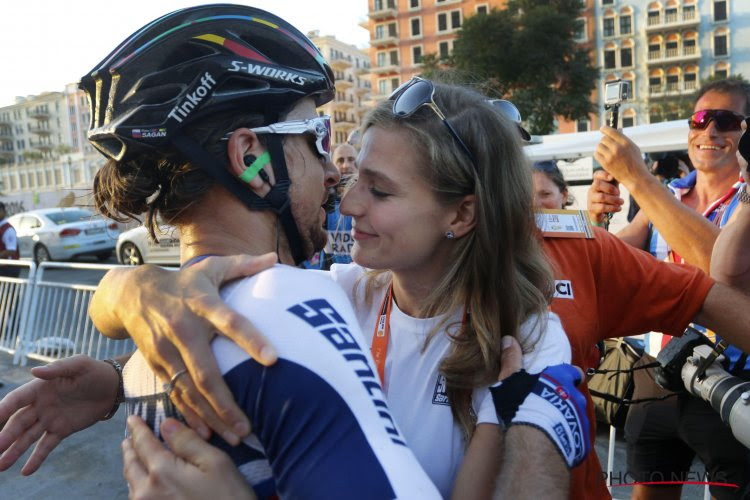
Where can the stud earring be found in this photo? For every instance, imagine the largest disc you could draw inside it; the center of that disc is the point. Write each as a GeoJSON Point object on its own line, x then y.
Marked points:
{"type": "Point", "coordinates": [450, 235]}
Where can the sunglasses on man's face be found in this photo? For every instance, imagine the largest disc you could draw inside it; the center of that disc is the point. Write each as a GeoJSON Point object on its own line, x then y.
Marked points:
{"type": "Point", "coordinates": [418, 92]}
{"type": "Point", "coordinates": [319, 127]}
{"type": "Point", "coordinates": [724, 119]}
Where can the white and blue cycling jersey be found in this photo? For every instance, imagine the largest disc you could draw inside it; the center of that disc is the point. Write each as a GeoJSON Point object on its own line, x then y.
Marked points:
{"type": "Point", "coordinates": [321, 426]}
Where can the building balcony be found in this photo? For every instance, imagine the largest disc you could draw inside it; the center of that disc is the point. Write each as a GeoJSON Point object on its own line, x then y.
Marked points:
{"type": "Point", "coordinates": [344, 125]}
{"type": "Point", "coordinates": [362, 70]}
{"type": "Point", "coordinates": [386, 69]}
{"type": "Point", "coordinates": [6, 133]}
{"type": "Point", "coordinates": [672, 21]}
{"type": "Point", "coordinates": [342, 105]}
{"type": "Point", "coordinates": [39, 114]}
{"type": "Point", "coordinates": [40, 131]}
{"type": "Point", "coordinates": [42, 146]}
{"type": "Point", "coordinates": [7, 153]}
{"type": "Point", "coordinates": [678, 55]}
{"type": "Point", "coordinates": [360, 91]}
{"type": "Point", "coordinates": [384, 41]}
{"type": "Point", "coordinates": [344, 83]}
{"type": "Point", "coordinates": [341, 63]}
{"type": "Point", "coordinates": [672, 89]}
{"type": "Point", "coordinates": [385, 12]}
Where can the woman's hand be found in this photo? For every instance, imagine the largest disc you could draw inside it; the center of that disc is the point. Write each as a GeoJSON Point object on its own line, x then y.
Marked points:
{"type": "Point", "coordinates": [193, 469]}
{"type": "Point", "coordinates": [67, 396]}
{"type": "Point", "coordinates": [172, 317]}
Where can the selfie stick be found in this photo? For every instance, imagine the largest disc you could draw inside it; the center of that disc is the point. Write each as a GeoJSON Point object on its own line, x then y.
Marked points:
{"type": "Point", "coordinates": [614, 111]}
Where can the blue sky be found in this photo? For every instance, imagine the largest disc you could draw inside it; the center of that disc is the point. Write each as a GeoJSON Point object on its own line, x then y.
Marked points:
{"type": "Point", "coordinates": [45, 44]}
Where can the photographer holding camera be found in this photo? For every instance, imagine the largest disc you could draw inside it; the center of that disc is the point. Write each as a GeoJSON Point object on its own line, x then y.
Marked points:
{"type": "Point", "coordinates": [663, 437]}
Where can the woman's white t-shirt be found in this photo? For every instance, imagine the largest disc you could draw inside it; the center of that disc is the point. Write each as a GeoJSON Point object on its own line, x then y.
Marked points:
{"type": "Point", "coordinates": [414, 388]}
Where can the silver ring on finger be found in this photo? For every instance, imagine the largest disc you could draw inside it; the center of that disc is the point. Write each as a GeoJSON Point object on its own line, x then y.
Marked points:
{"type": "Point", "coordinates": [168, 388]}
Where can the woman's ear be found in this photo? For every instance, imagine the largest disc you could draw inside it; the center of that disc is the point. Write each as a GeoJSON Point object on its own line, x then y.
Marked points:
{"type": "Point", "coordinates": [464, 217]}
{"type": "Point", "coordinates": [247, 157]}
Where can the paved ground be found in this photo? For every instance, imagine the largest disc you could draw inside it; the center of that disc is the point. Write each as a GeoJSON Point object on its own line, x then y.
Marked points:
{"type": "Point", "coordinates": [88, 465]}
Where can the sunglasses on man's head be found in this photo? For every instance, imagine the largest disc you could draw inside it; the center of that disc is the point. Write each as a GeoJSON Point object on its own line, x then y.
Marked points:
{"type": "Point", "coordinates": [725, 120]}
{"type": "Point", "coordinates": [418, 92]}
{"type": "Point", "coordinates": [320, 127]}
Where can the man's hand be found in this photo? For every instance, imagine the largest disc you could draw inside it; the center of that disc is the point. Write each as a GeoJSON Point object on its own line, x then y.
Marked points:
{"type": "Point", "coordinates": [67, 396]}
{"type": "Point", "coordinates": [621, 157]}
{"type": "Point", "coordinates": [193, 469]}
{"type": "Point", "coordinates": [548, 401]}
{"type": "Point", "coordinates": [172, 317]}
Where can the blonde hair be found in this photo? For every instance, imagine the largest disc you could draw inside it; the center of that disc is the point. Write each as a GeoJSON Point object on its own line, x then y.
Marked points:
{"type": "Point", "coordinates": [498, 271]}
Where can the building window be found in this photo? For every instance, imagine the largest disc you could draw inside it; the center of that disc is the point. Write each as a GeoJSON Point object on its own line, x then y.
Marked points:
{"type": "Point", "coordinates": [654, 84]}
{"type": "Point", "coordinates": [628, 121]}
{"type": "Point", "coordinates": [720, 45]}
{"type": "Point", "coordinates": [444, 49]}
{"type": "Point", "coordinates": [583, 125]}
{"type": "Point", "coordinates": [626, 25]}
{"type": "Point", "coordinates": [455, 19]}
{"type": "Point", "coordinates": [416, 26]}
{"type": "Point", "coordinates": [416, 54]}
{"type": "Point", "coordinates": [609, 26]}
{"type": "Point", "coordinates": [442, 19]}
{"type": "Point", "coordinates": [654, 50]}
{"type": "Point", "coordinates": [394, 57]}
{"type": "Point", "coordinates": [608, 2]}
{"type": "Point", "coordinates": [609, 59]}
{"type": "Point", "coordinates": [626, 57]}
{"type": "Point", "coordinates": [394, 84]}
{"type": "Point", "coordinates": [580, 30]}
{"type": "Point", "coordinates": [653, 17]}
{"type": "Point", "coordinates": [413, 4]}
{"type": "Point", "coordinates": [721, 73]}
{"type": "Point", "coordinates": [670, 15]}
{"type": "Point", "coordinates": [688, 12]}
{"type": "Point", "coordinates": [720, 10]}
{"type": "Point", "coordinates": [380, 58]}
{"type": "Point", "coordinates": [673, 83]}
{"type": "Point", "coordinates": [671, 48]}
{"type": "Point", "coordinates": [690, 80]}
{"type": "Point", "coordinates": [482, 9]}
{"type": "Point", "coordinates": [688, 46]}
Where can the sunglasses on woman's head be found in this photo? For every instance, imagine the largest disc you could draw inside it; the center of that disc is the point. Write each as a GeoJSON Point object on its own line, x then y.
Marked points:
{"type": "Point", "coordinates": [510, 111]}
{"type": "Point", "coordinates": [725, 120]}
{"type": "Point", "coordinates": [418, 92]}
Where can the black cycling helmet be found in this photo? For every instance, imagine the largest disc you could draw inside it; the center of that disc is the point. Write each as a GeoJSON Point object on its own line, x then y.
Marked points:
{"type": "Point", "coordinates": [198, 61]}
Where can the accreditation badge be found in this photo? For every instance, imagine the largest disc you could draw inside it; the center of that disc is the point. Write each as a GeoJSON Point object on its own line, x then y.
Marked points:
{"type": "Point", "coordinates": [564, 223]}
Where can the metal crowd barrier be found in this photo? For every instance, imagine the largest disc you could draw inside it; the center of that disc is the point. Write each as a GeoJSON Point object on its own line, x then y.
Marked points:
{"type": "Point", "coordinates": [15, 295]}
{"type": "Point", "coordinates": [53, 320]}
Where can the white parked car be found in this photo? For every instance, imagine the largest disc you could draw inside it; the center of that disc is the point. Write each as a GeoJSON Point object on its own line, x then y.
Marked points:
{"type": "Point", "coordinates": [134, 247]}
{"type": "Point", "coordinates": [64, 234]}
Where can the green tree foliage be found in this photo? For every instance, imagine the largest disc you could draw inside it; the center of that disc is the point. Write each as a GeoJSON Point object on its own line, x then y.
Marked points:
{"type": "Point", "coordinates": [527, 53]}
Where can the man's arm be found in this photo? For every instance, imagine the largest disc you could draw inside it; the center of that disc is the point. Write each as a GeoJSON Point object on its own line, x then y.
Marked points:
{"type": "Point", "coordinates": [730, 262]}
{"type": "Point", "coordinates": [531, 467]}
{"type": "Point", "coordinates": [688, 233]}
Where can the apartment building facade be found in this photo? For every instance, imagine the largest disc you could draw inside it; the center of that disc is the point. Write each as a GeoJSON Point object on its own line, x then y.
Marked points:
{"type": "Point", "coordinates": [666, 48]}
{"type": "Point", "coordinates": [43, 149]}
{"type": "Point", "coordinates": [404, 31]}
{"type": "Point", "coordinates": [351, 67]}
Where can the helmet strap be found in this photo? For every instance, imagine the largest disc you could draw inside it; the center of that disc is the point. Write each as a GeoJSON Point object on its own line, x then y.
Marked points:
{"type": "Point", "coordinates": [277, 198]}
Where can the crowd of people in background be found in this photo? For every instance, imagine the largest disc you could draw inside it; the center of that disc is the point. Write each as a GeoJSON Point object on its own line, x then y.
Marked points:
{"type": "Point", "coordinates": [435, 355]}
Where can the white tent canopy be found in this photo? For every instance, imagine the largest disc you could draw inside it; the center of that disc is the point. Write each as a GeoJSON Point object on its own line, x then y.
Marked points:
{"type": "Point", "coordinates": [665, 136]}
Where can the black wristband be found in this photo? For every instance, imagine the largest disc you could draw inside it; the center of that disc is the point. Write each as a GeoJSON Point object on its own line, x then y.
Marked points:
{"type": "Point", "coordinates": [120, 389]}
{"type": "Point", "coordinates": [511, 392]}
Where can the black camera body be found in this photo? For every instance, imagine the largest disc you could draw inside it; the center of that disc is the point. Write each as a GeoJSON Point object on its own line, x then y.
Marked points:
{"type": "Point", "coordinates": [673, 357]}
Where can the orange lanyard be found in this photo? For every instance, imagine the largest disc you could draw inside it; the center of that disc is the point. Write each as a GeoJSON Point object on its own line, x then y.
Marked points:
{"type": "Point", "coordinates": [382, 332]}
